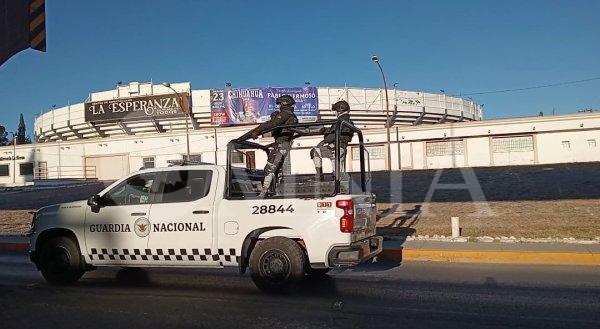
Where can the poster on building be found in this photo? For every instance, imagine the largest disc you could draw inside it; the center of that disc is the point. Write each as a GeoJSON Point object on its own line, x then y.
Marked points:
{"type": "Point", "coordinates": [231, 106]}
{"type": "Point", "coordinates": [143, 107]}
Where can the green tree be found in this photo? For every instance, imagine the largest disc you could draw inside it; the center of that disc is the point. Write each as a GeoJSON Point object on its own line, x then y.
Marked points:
{"type": "Point", "coordinates": [22, 138]}
{"type": "Point", "coordinates": [3, 136]}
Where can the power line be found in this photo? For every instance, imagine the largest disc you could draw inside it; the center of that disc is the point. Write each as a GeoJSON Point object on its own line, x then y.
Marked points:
{"type": "Point", "coordinates": [529, 88]}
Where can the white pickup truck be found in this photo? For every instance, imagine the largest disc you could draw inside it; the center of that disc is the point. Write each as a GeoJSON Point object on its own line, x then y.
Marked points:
{"type": "Point", "coordinates": [207, 216]}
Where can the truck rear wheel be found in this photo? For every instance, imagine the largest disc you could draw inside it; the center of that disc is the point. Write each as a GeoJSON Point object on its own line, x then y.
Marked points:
{"type": "Point", "coordinates": [60, 261]}
{"type": "Point", "coordinates": [277, 265]}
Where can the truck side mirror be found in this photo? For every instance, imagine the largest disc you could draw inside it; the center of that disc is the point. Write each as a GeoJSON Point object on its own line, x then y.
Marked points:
{"type": "Point", "coordinates": [94, 203]}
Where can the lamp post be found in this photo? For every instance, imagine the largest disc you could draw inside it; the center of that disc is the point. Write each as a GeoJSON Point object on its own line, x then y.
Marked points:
{"type": "Point", "coordinates": [375, 59]}
{"type": "Point", "coordinates": [187, 117]}
{"type": "Point", "coordinates": [14, 136]}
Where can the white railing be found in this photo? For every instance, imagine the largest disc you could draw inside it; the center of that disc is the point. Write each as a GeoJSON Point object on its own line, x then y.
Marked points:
{"type": "Point", "coordinates": [373, 100]}
{"type": "Point", "coordinates": [65, 172]}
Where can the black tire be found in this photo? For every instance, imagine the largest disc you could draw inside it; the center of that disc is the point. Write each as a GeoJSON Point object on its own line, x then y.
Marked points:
{"type": "Point", "coordinates": [60, 261]}
{"type": "Point", "coordinates": [318, 272]}
{"type": "Point", "coordinates": [277, 265]}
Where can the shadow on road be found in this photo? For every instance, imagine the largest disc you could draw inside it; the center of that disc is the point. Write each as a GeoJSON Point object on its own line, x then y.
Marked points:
{"type": "Point", "coordinates": [215, 281]}
{"type": "Point", "coordinates": [133, 277]}
{"type": "Point", "coordinates": [380, 265]}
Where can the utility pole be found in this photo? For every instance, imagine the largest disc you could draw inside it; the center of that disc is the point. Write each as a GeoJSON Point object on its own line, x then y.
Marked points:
{"type": "Point", "coordinates": [14, 157]}
{"type": "Point", "coordinates": [375, 59]}
{"type": "Point", "coordinates": [187, 117]}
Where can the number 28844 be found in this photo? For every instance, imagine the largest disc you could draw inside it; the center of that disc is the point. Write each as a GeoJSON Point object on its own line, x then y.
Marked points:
{"type": "Point", "coordinates": [271, 209]}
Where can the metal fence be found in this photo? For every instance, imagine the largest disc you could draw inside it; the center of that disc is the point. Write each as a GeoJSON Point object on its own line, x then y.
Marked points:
{"type": "Point", "coordinates": [65, 172]}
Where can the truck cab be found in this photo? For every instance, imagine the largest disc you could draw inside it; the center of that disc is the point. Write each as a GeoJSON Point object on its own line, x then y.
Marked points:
{"type": "Point", "coordinates": [209, 216]}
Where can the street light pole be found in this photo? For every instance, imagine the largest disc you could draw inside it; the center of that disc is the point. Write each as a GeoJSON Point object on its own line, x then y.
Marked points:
{"type": "Point", "coordinates": [375, 59]}
{"type": "Point", "coordinates": [187, 117]}
{"type": "Point", "coordinates": [14, 157]}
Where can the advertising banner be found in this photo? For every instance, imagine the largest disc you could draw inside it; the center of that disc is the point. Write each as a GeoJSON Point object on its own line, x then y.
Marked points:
{"type": "Point", "coordinates": [231, 106]}
{"type": "Point", "coordinates": [143, 107]}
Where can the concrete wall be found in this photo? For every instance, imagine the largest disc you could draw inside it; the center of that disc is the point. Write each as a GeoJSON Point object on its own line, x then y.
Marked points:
{"type": "Point", "coordinates": [368, 105]}
{"type": "Point", "coordinates": [559, 139]}
{"type": "Point", "coordinates": [13, 157]}
{"type": "Point", "coordinates": [583, 146]}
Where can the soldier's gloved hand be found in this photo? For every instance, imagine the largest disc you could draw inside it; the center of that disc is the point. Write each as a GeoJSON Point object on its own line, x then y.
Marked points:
{"type": "Point", "coordinates": [254, 134]}
{"type": "Point", "coordinates": [323, 130]}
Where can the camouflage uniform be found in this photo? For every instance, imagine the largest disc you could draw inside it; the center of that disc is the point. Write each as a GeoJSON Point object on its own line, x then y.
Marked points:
{"type": "Point", "coordinates": [326, 148]}
{"type": "Point", "coordinates": [283, 140]}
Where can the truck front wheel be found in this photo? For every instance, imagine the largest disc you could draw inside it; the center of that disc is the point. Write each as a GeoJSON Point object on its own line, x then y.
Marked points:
{"type": "Point", "coordinates": [60, 261]}
{"type": "Point", "coordinates": [277, 265]}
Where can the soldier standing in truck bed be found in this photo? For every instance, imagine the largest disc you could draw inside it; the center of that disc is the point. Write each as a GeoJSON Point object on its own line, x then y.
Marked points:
{"type": "Point", "coordinates": [283, 139]}
{"type": "Point", "coordinates": [326, 148]}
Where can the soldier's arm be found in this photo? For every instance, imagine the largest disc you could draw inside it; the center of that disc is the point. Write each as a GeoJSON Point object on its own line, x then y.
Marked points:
{"type": "Point", "coordinates": [276, 120]}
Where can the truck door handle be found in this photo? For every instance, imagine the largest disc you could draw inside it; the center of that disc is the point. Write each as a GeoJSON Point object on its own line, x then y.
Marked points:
{"type": "Point", "coordinates": [197, 212]}
{"type": "Point", "coordinates": [138, 214]}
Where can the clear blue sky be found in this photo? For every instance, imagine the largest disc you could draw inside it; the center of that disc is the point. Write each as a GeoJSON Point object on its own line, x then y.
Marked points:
{"type": "Point", "coordinates": [458, 46]}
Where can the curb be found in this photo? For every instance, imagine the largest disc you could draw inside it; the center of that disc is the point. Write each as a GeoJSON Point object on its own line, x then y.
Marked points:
{"type": "Point", "coordinates": [7, 246]}
{"type": "Point", "coordinates": [492, 256]}
{"type": "Point", "coordinates": [14, 243]}
{"type": "Point", "coordinates": [453, 256]}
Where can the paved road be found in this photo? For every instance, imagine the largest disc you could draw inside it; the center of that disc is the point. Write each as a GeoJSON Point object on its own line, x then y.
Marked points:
{"type": "Point", "coordinates": [382, 295]}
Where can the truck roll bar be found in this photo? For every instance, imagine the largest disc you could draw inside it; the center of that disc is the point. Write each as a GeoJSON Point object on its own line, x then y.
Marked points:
{"type": "Point", "coordinates": [302, 130]}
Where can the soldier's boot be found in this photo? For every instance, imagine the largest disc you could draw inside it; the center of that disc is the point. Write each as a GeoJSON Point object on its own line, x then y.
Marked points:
{"type": "Point", "coordinates": [319, 175]}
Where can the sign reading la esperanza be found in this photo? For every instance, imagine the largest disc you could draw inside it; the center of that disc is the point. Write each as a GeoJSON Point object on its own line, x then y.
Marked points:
{"type": "Point", "coordinates": [156, 106]}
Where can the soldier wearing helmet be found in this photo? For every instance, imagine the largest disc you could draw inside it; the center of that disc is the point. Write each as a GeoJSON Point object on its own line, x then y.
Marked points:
{"type": "Point", "coordinates": [326, 148]}
{"type": "Point", "coordinates": [283, 139]}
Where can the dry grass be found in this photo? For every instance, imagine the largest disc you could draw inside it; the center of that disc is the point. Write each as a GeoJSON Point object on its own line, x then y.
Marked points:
{"type": "Point", "coordinates": [14, 221]}
{"type": "Point", "coordinates": [529, 219]}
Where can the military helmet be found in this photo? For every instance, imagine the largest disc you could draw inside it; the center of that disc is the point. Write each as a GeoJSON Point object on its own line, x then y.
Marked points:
{"type": "Point", "coordinates": [285, 100]}
{"type": "Point", "coordinates": [341, 106]}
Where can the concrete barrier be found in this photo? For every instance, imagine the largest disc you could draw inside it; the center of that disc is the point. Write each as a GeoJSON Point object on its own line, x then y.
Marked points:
{"type": "Point", "coordinates": [14, 242]}
{"type": "Point", "coordinates": [492, 256]}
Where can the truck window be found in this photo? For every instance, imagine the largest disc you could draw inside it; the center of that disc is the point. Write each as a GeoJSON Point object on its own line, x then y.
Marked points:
{"type": "Point", "coordinates": [135, 190]}
{"type": "Point", "coordinates": [185, 185]}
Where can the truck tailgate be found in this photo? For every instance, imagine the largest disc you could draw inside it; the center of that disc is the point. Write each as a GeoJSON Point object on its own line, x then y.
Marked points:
{"type": "Point", "coordinates": [365, 216]}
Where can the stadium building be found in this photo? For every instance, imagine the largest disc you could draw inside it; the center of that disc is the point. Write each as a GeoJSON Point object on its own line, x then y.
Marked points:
{"type": "Point", "coordinates": [141, 125]}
